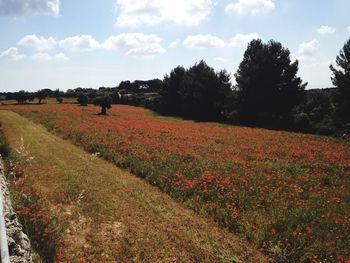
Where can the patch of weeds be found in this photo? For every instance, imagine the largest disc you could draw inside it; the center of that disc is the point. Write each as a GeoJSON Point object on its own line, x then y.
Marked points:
{"type": "Point", "coordinates": [38, 221]}
{"type": "Point", "coordinates": [48, 123]}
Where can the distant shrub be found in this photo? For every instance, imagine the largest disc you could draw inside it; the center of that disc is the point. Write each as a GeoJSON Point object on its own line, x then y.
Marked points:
{"type": "Point", "coordinates": [302, 122]}
{"type": "Point", "coordinates": [83, 99]}
{"type": "Point", "coordinates": [104, 101]}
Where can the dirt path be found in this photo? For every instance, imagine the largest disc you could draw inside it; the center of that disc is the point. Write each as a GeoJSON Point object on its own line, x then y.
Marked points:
{"type": "Point", "coordinates": [111, 214]}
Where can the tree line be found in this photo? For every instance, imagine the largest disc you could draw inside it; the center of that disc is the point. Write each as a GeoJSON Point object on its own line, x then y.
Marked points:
{"type": "Point", "coordinates": [267, 93]}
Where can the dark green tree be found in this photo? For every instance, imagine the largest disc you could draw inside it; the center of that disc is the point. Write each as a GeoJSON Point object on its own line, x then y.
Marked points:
{"type": "Point", "coordinates": [341, 79]}
{"type": "Point", "coordinates": [41, 94]}
{"type": "Point", "coordinates": [267, 84]}
{"type": "Point", "coordinates": [171, 90]}
{"type": "Point", "coordinates": [21, 96]}
{"type": "Point", "coordinates": [83, 99]}
{"type": "Point", "coordinates": [57, 93]}
{"type": "Point", "coordinates": [30, 96]}
{"type": "Point", "coordinates": [104, 101]}
{"type": "Point", "coordinates": [115, 97]}
{"type": "Point", "coordinates": [205, 92]}
{"type": "Point", "coordinates": [198, 92]}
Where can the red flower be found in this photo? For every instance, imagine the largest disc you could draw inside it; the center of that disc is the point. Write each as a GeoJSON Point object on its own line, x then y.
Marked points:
{"type": "Point", "coordinates": [273, 230]}
{"type": "Point", "coordinates": [263, 245]}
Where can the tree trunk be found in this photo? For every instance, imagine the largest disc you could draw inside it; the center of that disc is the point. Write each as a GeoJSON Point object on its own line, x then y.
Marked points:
{"type": "Point", "coordinates": [103, 111]}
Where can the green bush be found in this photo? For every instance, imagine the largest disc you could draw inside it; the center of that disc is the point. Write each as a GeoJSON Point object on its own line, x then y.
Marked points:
{"type": "Point", "coordinates": [302, 122]}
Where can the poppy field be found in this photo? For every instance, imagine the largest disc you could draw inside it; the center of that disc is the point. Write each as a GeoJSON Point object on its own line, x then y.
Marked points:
{"type": "Point", "coordinates": [287, 193]}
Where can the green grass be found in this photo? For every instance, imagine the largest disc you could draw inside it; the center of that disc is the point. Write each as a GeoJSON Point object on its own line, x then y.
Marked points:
{"type": "Point", "coordinates": [110, 215]}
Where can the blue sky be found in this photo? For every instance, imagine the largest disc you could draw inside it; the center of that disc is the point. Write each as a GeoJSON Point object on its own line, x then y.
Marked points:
{"type": "Point", "coordinates": [63, 44]}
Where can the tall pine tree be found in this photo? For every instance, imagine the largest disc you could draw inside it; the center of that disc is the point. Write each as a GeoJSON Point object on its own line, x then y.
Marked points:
{"type": "Point", "coordinates": [267, 84]}
{"type": "Point", "coordinates": [341, 79]}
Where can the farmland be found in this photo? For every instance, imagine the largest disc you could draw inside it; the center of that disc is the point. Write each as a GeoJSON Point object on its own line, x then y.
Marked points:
{"type": "Point", "coordinates": [100, 213]}
{"type": "Point", "coordinates": [286, 193]}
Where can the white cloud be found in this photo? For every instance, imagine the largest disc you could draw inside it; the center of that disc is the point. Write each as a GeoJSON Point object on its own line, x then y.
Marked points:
{"type": "Point", "coordinates": [308, 51]}
{"type": "Point", "coordinates": [21, 8]}
{"type": "Point", "coordinates": [251, 7]}
{"type": "Point", "coordinates": [60, 57]}
{"type": "Point", "coordinates": [42, 57]}
{"type": "Point", "coordinates": [323, 30]}
{"type": "Point", "coordinates": [348, 29]}
{"type": "Point", "coordinates": [203, 41]}
{"type": "Point", "coordinates": [40, 43]}
{"type": "Point", "coordinates": [12, 53]}
{"type": "Point", "coordinates": [134, 13]}
{"type": "Point", "coordinates": [130, 40]}
{"type": "Point", "coordinates": [220, 59]}
{"type": "Point", "coordinates": [146, 51]}
{"type": "Point", "coordinates": [242, 39]}
{"type": "Point", "coordinates": [80, 43]}
{"type": "Point", "coordinates": [136, 44]}
{"type": "Point", "coordinates": [173, 44]}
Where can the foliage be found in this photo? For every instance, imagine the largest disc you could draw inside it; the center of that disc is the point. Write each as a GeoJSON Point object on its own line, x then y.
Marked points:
{"type": "Point", "coordinates": [170, 92]}
{"type": "Point", "coordinates": [104, 101]}
{"type": "Point", "coordinates": [83, 99]}
{"type": "Point", "coordinates": [267, 84]}
{"type": "Point", "coordinates": [302, 122]}
{"type": "Point", "coordinates": [21, 97]}
{"type": "Point", "coordinates": [198, 92]}
{"type": "Point", "coordinates": [341, 79]}
{"type": "Point", "coordinates": [41, 94]}
{"type": "Point", "coordinates": [288, 193]}
{"type": "Point", "coordinates": [317, 112]}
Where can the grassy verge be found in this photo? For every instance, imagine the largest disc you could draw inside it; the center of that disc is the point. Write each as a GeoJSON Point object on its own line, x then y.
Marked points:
{"type": "Point", "coordinates": [32, 209]}
{"type": "Point", "coordinates": [110, 215]}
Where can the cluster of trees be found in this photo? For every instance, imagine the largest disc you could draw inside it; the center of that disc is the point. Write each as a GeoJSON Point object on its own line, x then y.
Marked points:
{"type": "Point", "coordinates": [28, 97]}
{"type": "Point", "coordinates": [104, 100]}
{"type": "Point", "coordinates": [197, 93]}
{"type": "Point", "coordinates": [267, 89]}
{"type": "Point", "coordinates": [137, 93]}
{"type": "Point", "coordinates": [267, 93]}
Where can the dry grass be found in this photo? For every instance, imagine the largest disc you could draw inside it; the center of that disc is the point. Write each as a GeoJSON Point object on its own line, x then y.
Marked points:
{"type": "Point", "coordinates": [110, 214]}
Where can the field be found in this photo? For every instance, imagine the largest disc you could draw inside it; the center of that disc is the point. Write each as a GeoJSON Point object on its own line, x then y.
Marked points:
{"type": "Point", "coordinates": [109, 215]}
{"type": "Point", "coordinates": [286, 193]}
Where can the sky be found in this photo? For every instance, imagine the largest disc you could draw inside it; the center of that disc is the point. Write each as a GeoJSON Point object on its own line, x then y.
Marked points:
{"type": "Point", "coordinates": [65, 44]}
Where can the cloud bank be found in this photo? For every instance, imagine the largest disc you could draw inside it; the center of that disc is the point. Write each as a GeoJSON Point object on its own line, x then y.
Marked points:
{"type": "Point", "coordinates": [135, 13]}
{"type": "Point", "coordinates": [21, 8]}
